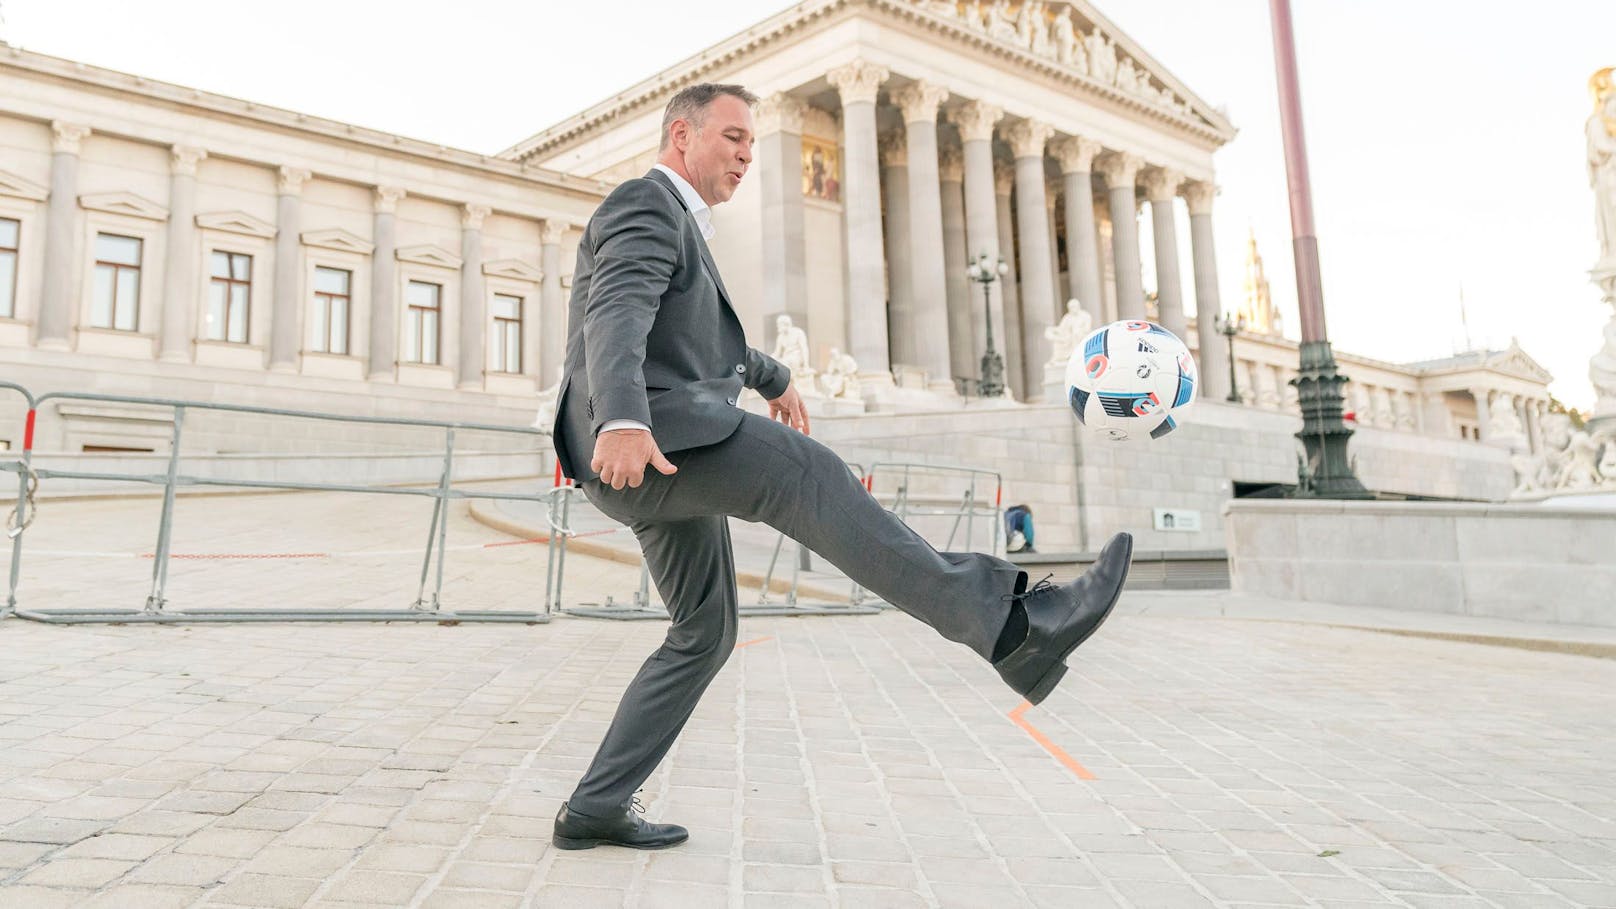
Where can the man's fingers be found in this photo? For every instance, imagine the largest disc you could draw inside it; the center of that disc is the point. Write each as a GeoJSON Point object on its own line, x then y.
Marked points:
{"type": "Point", "coordinates": [662, 464]}
{"type": "Point", "coordinates": [802, 416]}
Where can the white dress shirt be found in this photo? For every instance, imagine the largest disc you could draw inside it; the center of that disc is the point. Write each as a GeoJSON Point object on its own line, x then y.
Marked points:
{"type": "Point", "coordinates": [703, 213]}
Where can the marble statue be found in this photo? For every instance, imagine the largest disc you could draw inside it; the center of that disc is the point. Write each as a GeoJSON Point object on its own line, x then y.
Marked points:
{"type": "Point", "coordinates": [1128, 77]}
{"type": "Point", "coordinates": [840, 378]}
{"type": "Point", "coordinates": [1581, 468]}
{"type": "Point", "coordinates": [1102, 57]}
{"type": "Point", "coordinates": [973, 16]}
{"type": "Point", "coordinates": [1504, 421]}
{"type": "Point", "coordinates": [1529, 470]}
{"type": "Point", "coordinates": [1000, 23]}
{"type": "Point", "coordinates": [1040, 29]}
{"type": "Point", "coordinates": [1601, 132]}
{"type": "Point", "coordinates": [791, 349]}
{"type": "Point", "coordinates": [1068, 46]}
{"type": "Point", "coordinates": [1602, 372]}
{"type": "Point", "coordinates": [1065, 335]}
{"type": "Point", "coordinates": [1607, 461]}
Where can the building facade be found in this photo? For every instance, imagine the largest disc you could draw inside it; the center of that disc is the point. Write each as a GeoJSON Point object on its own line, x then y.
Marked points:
{"type": "Point", "coordinates": [163, 241]}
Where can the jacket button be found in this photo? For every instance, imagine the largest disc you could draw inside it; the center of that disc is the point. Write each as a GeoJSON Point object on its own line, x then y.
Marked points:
{"type": "Point", "coordinates": [731, 401]}
{"type": "Point", "coordinates": [740, 368]}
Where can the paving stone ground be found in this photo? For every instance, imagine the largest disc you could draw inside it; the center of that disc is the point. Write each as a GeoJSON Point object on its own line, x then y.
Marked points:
{"type": "Point", "coordinates": [846, 761]}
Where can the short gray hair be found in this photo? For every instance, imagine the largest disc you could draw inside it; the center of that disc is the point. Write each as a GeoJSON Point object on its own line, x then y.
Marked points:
{"type": "Point", "coordinates": [690, 105]}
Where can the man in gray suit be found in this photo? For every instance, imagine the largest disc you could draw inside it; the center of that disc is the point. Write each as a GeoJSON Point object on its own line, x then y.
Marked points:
{"type": "Point", "coordinates": [656, 360]}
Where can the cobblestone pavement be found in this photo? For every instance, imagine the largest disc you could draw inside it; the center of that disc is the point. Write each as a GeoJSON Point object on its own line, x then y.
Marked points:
{"type": "Point", "coordinates": [855, 761]}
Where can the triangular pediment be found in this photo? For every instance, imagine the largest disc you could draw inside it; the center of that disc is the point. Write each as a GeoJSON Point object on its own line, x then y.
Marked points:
{"type": "Point", "coordinates": [337, 239]}
{"type": "Point", "coordinates": [236, 222]}
{"type": "Point", "coordinates": [515, 269]}
{"type": "Point", "coordinates": [427, 254]}
{"type": "Point", "coordinates": [1516, 361]}
{"type": "Point", "coordinates": [20, 188]}
{"type": "Point", "coordinates": [124, 203]}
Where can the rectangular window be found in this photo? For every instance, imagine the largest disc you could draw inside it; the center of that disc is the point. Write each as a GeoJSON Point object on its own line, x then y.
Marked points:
{"type": "Point", "coordinates": [229, 296]}
{"type": "Point", "coordinates": [117, 283]}
{"type": "Point", "coordinates": [333, 290]}
{"type": "Point", "coordinates": [421, 322]}
{"type": "Point", "coordinates": [9, 231]}
{"type": "Point", "coordinates": [507, 339]}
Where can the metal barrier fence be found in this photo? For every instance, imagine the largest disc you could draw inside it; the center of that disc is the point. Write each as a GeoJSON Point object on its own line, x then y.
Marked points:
{"type": "Point", "coordinates": [427, 606]}
{"type": "Point", "coordinates": [907, 501]}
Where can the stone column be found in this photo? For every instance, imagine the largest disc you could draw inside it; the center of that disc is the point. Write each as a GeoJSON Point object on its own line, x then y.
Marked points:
{"type": "Point", "coordinates": [1483, 413]}
{"type": "Point", "coordinates": [1534, 425]}
{"type": "Point", "coordinates": [778, 120]}
{"type": "Point", "coordinates": [1039, 307]}
{"type": "Point", "coordinates": [473, 298]}
{"type": "Point", "coordinates": [1076, 157]}
{"type": "Point", "coordinates": [1161, 188]}
{"type": "Point", "coordinates": [900, 264]}
{"type": "Point", "coordinates": [975, 121]}
{"type": "Point", "coordinates": [1121, 170]}
{"type": "Point", "coordinates": [57, 296]}
{"type": "Point", "coordinates": [858, 83]}
{"type": "Point", "coordinates": [283, 309]}
{"type": "Point", "coordinates": [1051, 203]}
{"type": "Point", "coordinates": [179, 274]}
{"type": "Point", "coordinates": [962, 332]}
{"type": "Point", "coordinates": [1214, 357]}
{"type": "Point", "coordinates": [1019, 370]}
{"type": "Point", "coordinates": [552, 328]}
{"type": "Point", "coordinates": [919, 101]}
{"type": "Point", "coordinates": [384, 285]}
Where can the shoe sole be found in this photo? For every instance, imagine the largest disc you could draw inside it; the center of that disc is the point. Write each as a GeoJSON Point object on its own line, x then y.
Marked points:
{"type": "Point", "coordinates": [567, 842]}
{"type": "Point", "coordinates": [1050, 679]}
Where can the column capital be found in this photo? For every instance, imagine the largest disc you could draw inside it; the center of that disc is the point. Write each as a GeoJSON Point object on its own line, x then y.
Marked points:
{"type": "Point", "coordinates": [1027, 138]}
{"type": "Point", "coordinates": [919, 101]}
{"type": "Point", "coordinates": [1004, 178]}
{"type": "Point", "coordinates": [975, 120]}
{"type": "Point", "coordinates": [1162, 183]}
{"type": "Point", "coordinates": [65, 137]}
{"type": "Point", "coordinates": [1198, 195]}
{"type": "Point", "coordinates": [895, 148]}
{"type": "Point", "coordinates": [1120, 168]}
{"type": "Point", "coordinates": [551, 231]}
{"type": "Point", "coordinates": [472, 215]}
{"type": "Point", "coordinates": [950, 166]}
{"type": "Point", "coordinates": [778, 113]}
{"type": "Point", "coordinates": [183, 159]}
{"type": "Point", "coordinates": [387, 198]}
{"type": "Point", "coordinates": [858, 81]}
{"type": "Point", "coordinates": [1075, 154]}
{"type": "Point", "coordinates": [290, 180]}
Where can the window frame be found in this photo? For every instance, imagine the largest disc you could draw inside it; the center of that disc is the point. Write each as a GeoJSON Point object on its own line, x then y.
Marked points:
{"type": "Point", "coordinates": [118, 268]}
{"type": "Point", "coordinates": [230, 283]}
{"type": "Point", "coordinates": [8, 295]}
{"type": "Point", "coordinates": [318, 296]}
{"type": "Point", "coordinates": [415, 357]}
{"type": "Point", "coordinates": [498, 344]}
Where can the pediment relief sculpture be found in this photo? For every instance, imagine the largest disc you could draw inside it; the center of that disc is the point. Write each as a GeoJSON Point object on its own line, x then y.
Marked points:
{"type": "Point", "coordinates": [1052, 30]}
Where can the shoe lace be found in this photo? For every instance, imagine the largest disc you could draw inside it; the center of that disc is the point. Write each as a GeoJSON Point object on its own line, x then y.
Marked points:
{"type": "Point", "coordinates": [1043, 585]}
{"type": "Point", "coordinates": [634, 802]}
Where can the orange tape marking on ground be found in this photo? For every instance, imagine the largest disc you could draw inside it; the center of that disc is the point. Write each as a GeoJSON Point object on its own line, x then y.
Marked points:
{"type": "Point", "coordinates": [751, 642]}
{"type": "Point", "coordinates": [240, 555]}
{"type": "Point", "coordinates": [1055, 750]}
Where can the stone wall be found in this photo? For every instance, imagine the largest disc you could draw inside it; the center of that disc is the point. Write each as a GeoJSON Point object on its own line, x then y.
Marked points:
{"type": "Point", "coordinates": [1520, 562]}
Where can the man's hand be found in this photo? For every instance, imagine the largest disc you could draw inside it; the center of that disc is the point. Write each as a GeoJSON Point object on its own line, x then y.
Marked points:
{"type": "Point", "coordinates": [621, 456]}
{"type": "Point", "coordinates": [789, 409]}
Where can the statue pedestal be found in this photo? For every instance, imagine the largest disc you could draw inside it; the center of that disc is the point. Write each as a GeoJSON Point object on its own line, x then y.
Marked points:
{"type": "Point", "coordinates": [1602, 367]}
{"type": "Point", "coordinates": [1054, 382]}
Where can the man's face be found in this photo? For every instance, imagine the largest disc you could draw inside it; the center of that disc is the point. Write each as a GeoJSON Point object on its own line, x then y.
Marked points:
{"type": "Point", "coordinates": [718, 153]}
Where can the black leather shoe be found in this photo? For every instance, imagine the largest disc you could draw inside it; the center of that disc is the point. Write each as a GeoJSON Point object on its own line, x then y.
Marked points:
{"type": "Point", "coordinates": [580, 831]}
{"type": "Point", "coordinates": [1060, 617]}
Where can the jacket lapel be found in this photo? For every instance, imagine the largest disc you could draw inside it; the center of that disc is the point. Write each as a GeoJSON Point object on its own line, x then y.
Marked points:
{"type": "Point", "coordinates": [706, 256]}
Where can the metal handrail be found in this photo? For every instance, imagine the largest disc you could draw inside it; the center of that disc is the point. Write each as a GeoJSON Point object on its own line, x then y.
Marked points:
{"type": "Point", "coordinates": [972, 505]}
{"type": "Point", "coordinates": [425, 607]}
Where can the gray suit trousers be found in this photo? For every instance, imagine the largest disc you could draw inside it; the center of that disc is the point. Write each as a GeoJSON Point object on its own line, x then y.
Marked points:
{"type": "Point", "coordinates": [765, 472]}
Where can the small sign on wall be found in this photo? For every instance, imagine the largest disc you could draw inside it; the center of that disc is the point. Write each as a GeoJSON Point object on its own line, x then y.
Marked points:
{"type": "Point", "coordinates": [1177, 519]}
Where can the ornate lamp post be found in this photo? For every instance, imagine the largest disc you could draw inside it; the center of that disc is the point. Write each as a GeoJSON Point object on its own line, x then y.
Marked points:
{"type": "Point", "coordinates": [985, 273]}
{"type": "Point", "coordinates": [1229, 328]}
{"type": "Point", "coordinates": [1328, 473]}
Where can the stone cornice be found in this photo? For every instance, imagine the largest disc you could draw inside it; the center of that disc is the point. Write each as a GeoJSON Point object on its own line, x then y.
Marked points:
{"type": "Point", "coordinates": [215, 106]}
{"type": "Point", "coordinates": [1203, 122]}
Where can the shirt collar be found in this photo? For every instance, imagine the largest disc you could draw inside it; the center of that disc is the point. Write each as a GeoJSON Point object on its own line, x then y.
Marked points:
{"type": "Point", "coordinates": [693, 201]}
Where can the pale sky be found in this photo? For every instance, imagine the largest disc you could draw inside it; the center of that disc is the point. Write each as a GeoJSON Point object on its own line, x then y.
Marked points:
{"type": "Point", "coordinates": [1445, 138]}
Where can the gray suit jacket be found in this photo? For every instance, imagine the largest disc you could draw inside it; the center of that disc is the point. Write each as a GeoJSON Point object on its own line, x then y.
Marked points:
{"type": "Point", "coordinates": [651, 335]}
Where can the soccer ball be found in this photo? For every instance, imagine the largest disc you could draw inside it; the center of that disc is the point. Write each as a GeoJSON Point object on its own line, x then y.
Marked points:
{"type": "Point", "coordinates": [1130, 381]}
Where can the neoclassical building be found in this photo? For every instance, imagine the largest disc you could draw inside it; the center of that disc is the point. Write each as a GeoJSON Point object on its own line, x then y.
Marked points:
{"type": "Point", "coordinates": [157, 239]}
{"type": "Point", "coordinates": [896, 139]}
